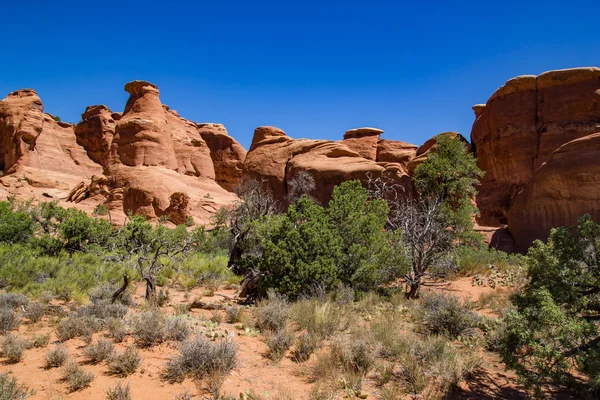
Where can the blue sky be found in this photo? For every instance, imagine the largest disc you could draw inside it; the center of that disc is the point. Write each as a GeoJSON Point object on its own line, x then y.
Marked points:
{"type": "Point", "coordinates": [313, 68]}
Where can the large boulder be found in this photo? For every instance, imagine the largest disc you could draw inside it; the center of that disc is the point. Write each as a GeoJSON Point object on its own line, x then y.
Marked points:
{"type": "Point", "coordinates": [95, 133]}
{"type": "Point", "coordinates": [560, 191]}
{"type": "Point", "coordinates": [393, 151]}
{"type": "Point", "coordinates": [227, 154]}
{"type": "Point", "coordinates": [522, 124]}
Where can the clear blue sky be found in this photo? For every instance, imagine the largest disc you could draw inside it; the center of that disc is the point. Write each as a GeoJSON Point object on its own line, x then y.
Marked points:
{"type": "Point", "coordinates": [313, 68]}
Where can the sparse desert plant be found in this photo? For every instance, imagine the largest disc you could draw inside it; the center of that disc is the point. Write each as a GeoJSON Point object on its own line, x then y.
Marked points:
{"type": "Point", "coordinates": [118, 392]}
{"type": "Point", "coordinates": [56, 357]}
{"type": "Point", "coordinates": [125, 363]}
{"type": "Point", "coordinates": [103, 311]}
{"type": "Point", "coordinates": [45, 297]}
{"type": "Point", "coordinates": [446, 314]}
{"type": "Point", "coordinates": [177, 328]}
{"type": "Point", "coordinates": [41, 340]}
{"type": "Point", "coordinates": [117, 329]}
{"type": "Point", "coordinates": [384, 373]}
{"type": "Point", "coordinates": [35, 311]}
{"type": "Point", "coordinates": [9, 320]}
{"type": "Point", "coordinates": [13, 347]}
{"type": "Point", "coordinates": [200, 358]}
{"type": "Point", "coordinates": [185, 395]}
{"type": "Point", "coordinates": [233, 314]}
{"type": "Point", "coordinates": [163, 297]}
{"type": "Point", "coordinates": [76, 377]}
{"type": "Point", "coordinates": [320, 318]}
{"type": "Point", "coordinates": [148, 327]}
{"type": "Point", "coordinates": [77, 326]}
{"type": "Point", "coordinates": [13, 300]}
{"type": "Point", "coordinates": [273, 313]}
{"type": "Point", "coordinates": [99, 351]}
{"type": "Point", "coordinates": [279, 342]}
{"type": "Point", "coordinates": [306, 345]}
{"type": "Point", "coordinates": [11, 389]}
{"type": "Point", "coordinates": [354, 354]}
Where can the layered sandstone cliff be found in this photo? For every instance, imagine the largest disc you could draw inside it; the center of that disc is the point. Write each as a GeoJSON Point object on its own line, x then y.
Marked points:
{"type": "Point", "coordinates": [526, 140]}
{"type": "Point", "coordinates": [147, 160]}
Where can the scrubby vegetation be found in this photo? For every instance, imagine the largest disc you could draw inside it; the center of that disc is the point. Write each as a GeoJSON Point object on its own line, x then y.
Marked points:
{"type": "Point", "coordinates": [353, 292]}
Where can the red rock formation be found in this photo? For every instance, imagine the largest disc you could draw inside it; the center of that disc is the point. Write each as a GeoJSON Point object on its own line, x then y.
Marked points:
{"type": "Point", "coordinates": [363, 141]}
{"type": "Point", "coordinates": [396, 152]}
{"type": "Point", "coordinates": [227, 154]}
{"type": "Point", "coordinates": [522, 124]}
{"type": "Point", "coordinates": [560, 191]}
{"type": "Point", "coordinates": [276, 158]}
{"type": "Point", "coordinates": [95, 133]}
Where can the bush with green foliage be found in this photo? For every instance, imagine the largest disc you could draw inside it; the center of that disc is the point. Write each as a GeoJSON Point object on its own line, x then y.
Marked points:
{"type": "Point", "coordinates": [312, 247]}
{"type": "Point", "coordinates": [451, 173]}
{"type": "Point", "coordinates": [552, 329]}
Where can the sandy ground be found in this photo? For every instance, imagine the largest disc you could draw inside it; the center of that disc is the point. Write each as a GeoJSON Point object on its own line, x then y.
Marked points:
{"type": "Point", "coordinates": [253, 372]}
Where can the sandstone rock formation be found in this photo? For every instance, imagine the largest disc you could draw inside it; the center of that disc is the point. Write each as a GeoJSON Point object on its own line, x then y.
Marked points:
{"type": "Point", "coordinates": [522, 124]}
{"type": "Point", "coordinates": [147, 160]}
{"type": "Point", "coordinates": [227, 154]}
{"type": "Point", "coordinates": [560, 191]}
{"type": "Point", "coordinates": [276, 158]}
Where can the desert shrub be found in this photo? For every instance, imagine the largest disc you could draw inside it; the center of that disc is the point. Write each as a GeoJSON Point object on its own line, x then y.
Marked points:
{"type": "Point", "coordinates": [446, 314]}
{"type": "Point", "coordinates": [41, 340]}
{"type": "Point", "coordinates": [435, 357]}
{"type": "Point", "coordinates": [216, 317]}
{"type": "Point", "coordinates": [163, 297]}
{"type": "Point", "coordinates": [103, 310]}
{"type": "Point", "coordinates": [56, 357]}
{"type": "Point", "coordinates": [119, 392]}
{"type": "Point", "coordinates": [200, 358]}
{"type": "Point", "coordinates": [35, 311]}
{"type": "Point", "coordinates": [9, 320]}
{"type": "Point", "coordinates": [477, 260]}
{"type": "Point", "coordinates": [13, 300]}
{"type": "Point", "coordinates": [148, 327]}
{"type": "Point", "coordinates": [45, 297]}
{"type": "Point", "coordinates": [99, 351]}
{"type": "Point", "coordinates": [451, 174]}
{"type": "Point", "coordinates": [105, 291]}
{"type": "Point", "coordinates": [279, 342]}
{"type": "Point", "coordinates": [305, 346]}
{"type": "Point", "coordinates": [125, 363]}
{"type": "Point", "coordinates": [203, 269]}
{"type": "Point", "coordinates": [77, 326]}
{"type": "Point", "coordinates": [233, 314]}
{"type": "Point", "coordinates": [76, 377]}
{"type": "Point", "coordinates": [13, 348]}
{"type": "Point", "coordinates": [11, 389]}
{"type": "Point", "coordinates": [386, 329]}
{"type": "Point", "coordinates": [117, 329]}
{"type": "Point", "coordinates": [177, 328]}
{"type": "Point", "coordinates": [273, 313]}
{"type": "Point", "coordinates": [354, 354]}
{"type": "Point", "coordinates": [319, 318]}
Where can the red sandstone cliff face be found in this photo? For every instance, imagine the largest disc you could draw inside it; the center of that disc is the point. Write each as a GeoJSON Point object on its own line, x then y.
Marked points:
{"type": "Point", "coordinates": [147, 160]}
{"type": "Point", "coordinates": [277, 159]}
{"type": "Point", "coordinates": [522, 124]}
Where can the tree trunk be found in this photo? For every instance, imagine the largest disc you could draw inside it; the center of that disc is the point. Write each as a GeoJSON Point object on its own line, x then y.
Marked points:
{"type": "Point", "coordinates": [150, 288]}
{"type": "Point", "coordinates": [116, 295]}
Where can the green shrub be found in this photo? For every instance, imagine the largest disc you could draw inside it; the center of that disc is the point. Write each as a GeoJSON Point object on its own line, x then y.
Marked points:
{"type": "Point", "coordinates": [76, 377]}
{"type": "Point", "coordinates": [99, 351]}
{"type": "Point", "coordinates": [177, 328]}
{"type": "Point", "coordinates": [446, 314]}
{"type": "Point", "coordinates": [233, 314]}
{"type": "Point", "coordinates": [77, 326]}
{"type": "Point", "coordinates": [10, 389]}
{"type": "Point", "coordinates": [56, 357]}
{"type": "Point", "coordinates": [319, 318]}
{"type": "Point", "coordinates": [16, 226]}
{"type": "Point", "coordinates": [125, 363]}
{"type": "Point", "coordinates": [305, 346]}
{"type": "Point", "coordinates": [13, 348]}
{"type": "Point", "coordinates": [273, 313]}
{"type": "Point", "coordinates": [41, 340]}
{"type": "Point", "coordinates": [119, 392]}
{"type": "Point", "coordinates": [35, 311]}
{"type": "Point", "coordinates": [278, 342]}
{"type": "Point", "coordinates": [117, 329]}
{"type": "Point", "coordinates": [200, 358]}
{"type": "Point", "coordinates": [148, 327]}
{"type": "Point", "coordinates": [9, 320]}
